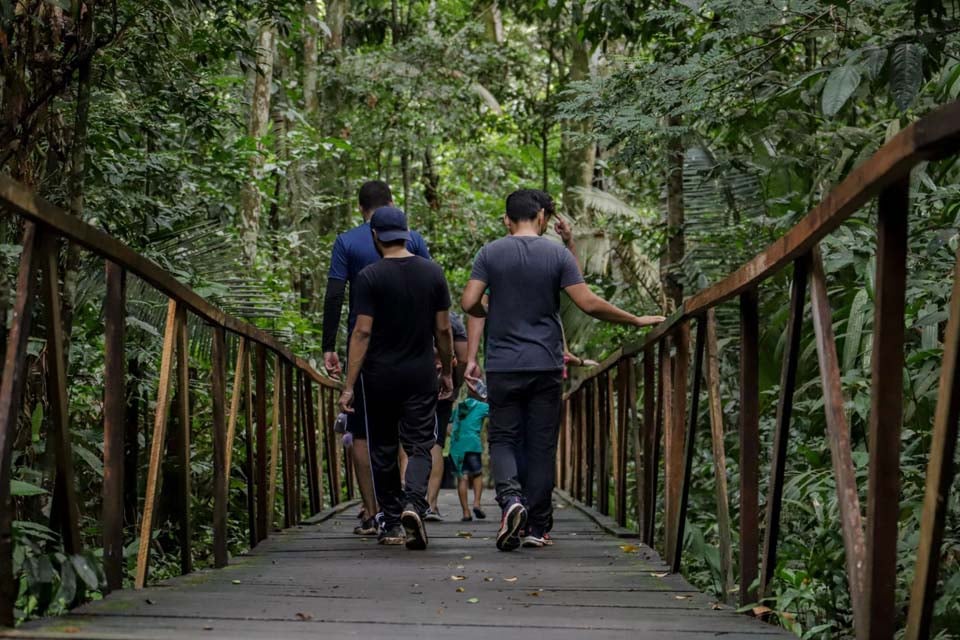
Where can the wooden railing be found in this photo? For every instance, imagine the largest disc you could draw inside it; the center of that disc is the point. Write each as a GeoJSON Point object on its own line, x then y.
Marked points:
{"type": "Point", "coordinates": [299, 415]}
{"type": "Point", "coordinates": [601, 410]}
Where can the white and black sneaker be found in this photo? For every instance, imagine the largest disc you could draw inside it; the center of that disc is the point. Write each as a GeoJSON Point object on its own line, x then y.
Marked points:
{"type": "Point", "coordinates": [534, 538]}
{"type": "Point", "coordinates": [391, 535]}
{"type": "Point", "coordinates": [514, 517]}
{"type": "Point", "coordinates": [416, 533]}
{"type": "Point", "coordinates": [432, 516]}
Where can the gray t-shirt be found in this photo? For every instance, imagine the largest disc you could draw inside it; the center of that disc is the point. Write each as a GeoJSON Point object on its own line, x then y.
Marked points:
{"type": "Point", "coordinates": [524, 275]}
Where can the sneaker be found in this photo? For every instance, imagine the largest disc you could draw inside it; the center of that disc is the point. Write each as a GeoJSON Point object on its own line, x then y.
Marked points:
{"type": "Point", "coordinates": [533, 538]}
{"type": "Point", "coordinates": [416, 533]}
{"type": "Point", "coordinates": [477, 511]}
{"type": "Point", "coordinates": [547, 540]}
{"type": "Point", "coordinates": [432, 516]}
{"type": "Point", "coordinates": [368, 527]}
{"type": "Point", "coordinates": [514, 517]}
{"type": "Point", "coordinates": [391, 535]}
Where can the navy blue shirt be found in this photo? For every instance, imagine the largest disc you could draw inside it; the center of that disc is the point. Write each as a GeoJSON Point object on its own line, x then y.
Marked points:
{"type": "Point", "coordinates": [354, 250]}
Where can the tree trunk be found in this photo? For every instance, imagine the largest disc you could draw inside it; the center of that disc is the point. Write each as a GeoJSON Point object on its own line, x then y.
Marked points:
{"type": "Point", "coordinates": [492, 21]}
{"type": "Point", "coordinates": [83, 13]}
{"type": "Point", "coordinates": [250, 199]}
{"type": "Point", "coordinates": [671, 268]}
{"type": "Point", "coordinates": [579, 153]}
{"type": "Point", "coordinates": [337, 11]}
{"type": "Point", "coordinates": [310, 100]}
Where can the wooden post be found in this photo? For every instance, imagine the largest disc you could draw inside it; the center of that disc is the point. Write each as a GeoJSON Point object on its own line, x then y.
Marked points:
{"type": "Point", "coordinates": [66, 510]}
{"type": "Point", "coordinates": [778, 459]}
{"type": "Point", "coordinates": [838, 433]}
{"type": "Point", "coordinates": [725, 546]}
{"type": "Point", "coordinates": [11, 392]}
{"type": "Point", "coordinates": [749, 444]}
{"type": "Point", "coordinates": [221, 443]}
{"type": "Point", "coordinates": [264, 504]}
{"type": "Point", "coordinates": [274, 442]}
{"type": "Point", "coordinates": [603, 442]}
{"type": "Point", "coordinates": [886, 414]}
{"type": "Point", "coordinates": [249, 465]}
{"type": "Point", "coordinates": [690, 443]}
{"type": "Point", "coordinates": [290, 493]}
{"type": "Point", "coordinates": [940, 472]}
{"type": "Point", "coordinates": [182, 442]}
{"type": "Point", "coordinates": [646, 463]}
{"type": "Point", "coordinates": [675, 437]}
{"type": "Point", "coordinates": [623, 423]}
{"type": "Point", "coordinates": [159, 441]}
{"type": "Point", "coordinates": [114, 427]}
{"type": "Point", "coordinates": [664, 408]}
{"type": "Point", "coordinates": [584, 459]}
{"type": "Point", "coordinates": [309, 440]}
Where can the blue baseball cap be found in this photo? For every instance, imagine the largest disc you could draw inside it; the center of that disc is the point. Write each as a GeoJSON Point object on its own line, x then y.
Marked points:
{"type": "Point", "coordinates": [390, 223]}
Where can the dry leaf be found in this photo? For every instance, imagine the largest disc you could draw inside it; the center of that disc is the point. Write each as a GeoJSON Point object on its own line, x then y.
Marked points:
{"type": "Point", "coordinates": [488, 579]}
{"type": "Point", "coordinates": [533, 593]}
{"type": "Point", "coordinates": [235, 581]}
{"type": "Point", "coordinates": [460, 589]}
{"type": "Point", "coordinates": [71, 629]}
{"type": "Point", "coordinates": [304, 616]}
{"type": "Point", "coordinates": [511, 579]}
{"type": "Point", "coordinates": [458, 577]}
{"type": "Point", "coordinates": [473, 600]}
{"type": "Point", "coordinates": [761, 611]}
{"type": "Point", "coordinates": [715, 606]}
{"type": "Point", "coordinates": [464, 534]}
{"type": "Point", "coordinates": [629, 548]}
{"type": "Point", "coordinates": [682, 597]}
{"type": "Point", "coordinates": [468, 557]}
{"type": "Point", "coordinates": [660, 575]}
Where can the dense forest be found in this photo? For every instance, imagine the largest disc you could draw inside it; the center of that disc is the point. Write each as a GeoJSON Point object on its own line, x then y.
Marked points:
{"type": "Point", "coordinates": [226, 140]}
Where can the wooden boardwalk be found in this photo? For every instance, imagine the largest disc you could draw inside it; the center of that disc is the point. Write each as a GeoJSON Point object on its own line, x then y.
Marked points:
{"type": "Point", "coordinates": [320, 580]}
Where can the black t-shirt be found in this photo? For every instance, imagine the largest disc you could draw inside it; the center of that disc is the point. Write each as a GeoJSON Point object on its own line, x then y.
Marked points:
{"type": "Point", "coordinates": [403, 296]}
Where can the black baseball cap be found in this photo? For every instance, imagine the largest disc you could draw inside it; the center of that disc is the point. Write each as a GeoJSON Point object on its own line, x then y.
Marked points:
{"type": "Point", "coordinates": [390, 224]}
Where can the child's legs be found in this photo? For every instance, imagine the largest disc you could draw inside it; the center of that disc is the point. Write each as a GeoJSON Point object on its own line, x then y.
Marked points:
{"type": "Point", "coordinates": [462, 493]}
{"type": "Point", "coordinates": [477, 489]}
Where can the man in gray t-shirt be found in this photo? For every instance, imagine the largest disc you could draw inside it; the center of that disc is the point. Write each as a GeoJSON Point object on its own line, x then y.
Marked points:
{"type": "Point", "coordinates": [523, 275]}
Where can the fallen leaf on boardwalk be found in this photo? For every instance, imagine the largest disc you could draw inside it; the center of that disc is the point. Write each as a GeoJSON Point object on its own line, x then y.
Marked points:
{"type": "Point", "coordinates": [468, 557]}
{"type": "Point", "coordinates": [71, 629]}
{"type": "Point", "coordinates": [535, 594]}
{"type": "Point", "coordinates": [458, 577]}
{"type": "Point", "coordinates": [464, 534]}
{"type": "Point", "coordinates": [682, 597]}
{"type": "Point", "coordinates": [660, 575]}
{"type": "Point", "coordinates": [208, 628]}
{"type": "Point", "coordinates": [715, 606]}
{"type": "Point", "coordinates": [511, 579]}
{"type": "Point", "coordinates": [149, 601]}
{"type": "Point", "coordinates": [473, 600]}
{"type": "Point", "coordinates": [459, 566]}
{"type": "Point", "coordinates": [304, 616]}
{"type": "Point", "coordinates": [460, 589]}
{"type": "Point", "coordinates": [629, 548]}
{"type": "Point", "coordinates": [488, 579]}
{"type": "Point", "coordinates": [236, 582]}
{"type": "Point", "coordinates": [761, 611]}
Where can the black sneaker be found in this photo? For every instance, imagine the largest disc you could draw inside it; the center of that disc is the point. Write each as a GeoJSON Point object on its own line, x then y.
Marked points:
{"type": "Point", "coordinates": [367, 527]}
{"type": "Point", "coordinates": [477, 511]}
{"type": "Point", "coordinates": [416, 532]}
{"type": "Point", "coordinates": [432, 516]}
{"type": "Point", "coordinates": [514, 517]}
{"type": "Point", "coordinates": [391, 535]}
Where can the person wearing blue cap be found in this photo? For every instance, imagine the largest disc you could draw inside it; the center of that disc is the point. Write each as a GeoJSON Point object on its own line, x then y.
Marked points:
{"type": "Point", "coordinates": [403, 309]}
{"type": "Point", "coordinates": [353, 251]}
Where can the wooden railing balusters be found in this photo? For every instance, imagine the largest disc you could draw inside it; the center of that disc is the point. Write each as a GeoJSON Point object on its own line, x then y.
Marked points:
{"type": "Point", "coordinates": [235, 397]}
{"type": "Point", "coordinates": [778, 458]}
{"type": "Point", "coordinates": [622, 426]}
{"type": "Point", "coordinates": [264, 485]}
{"type": "Point", "coordinates": [275, 429]}
{"type": "Point", "coordinates": [249, 463]}
{"type": "Point", "coordinates": [886, 414]}
{"type": "Point", "coordinates": [749, 444]}
{"type": "Point", "coordinates": [647, 491]}
{"type": "Point", "coordinates": [675, 437]}
{"type": "Point", "coordinates": [114, 427]}
{"type": "Point", "coordinates": [602, 452]}
{"type": "Point", "coordinates": [690, 443]}
{"type": "Point", "coordinates": [11, 395]}
{"type": "Point", "coordinates": [838, 433]}
{"type": "Point", "coordinates": [181, 443]}
{"type": "Point", "coordinates": [221, 440]}
{"type": "Point", "coordinates": [158, 444]}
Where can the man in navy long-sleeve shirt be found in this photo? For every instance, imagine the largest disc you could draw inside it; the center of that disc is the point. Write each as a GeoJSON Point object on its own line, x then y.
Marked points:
{"type": "Point", "coordinates": [352, 251]}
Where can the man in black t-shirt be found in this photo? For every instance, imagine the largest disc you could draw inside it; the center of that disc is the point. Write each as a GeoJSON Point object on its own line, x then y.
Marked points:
{"type": "Point", "coordinates": [402, 305]}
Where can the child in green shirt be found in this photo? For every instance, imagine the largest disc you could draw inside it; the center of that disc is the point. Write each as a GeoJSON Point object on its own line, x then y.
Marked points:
{"type": "Point", "coordinates": [465, 450]}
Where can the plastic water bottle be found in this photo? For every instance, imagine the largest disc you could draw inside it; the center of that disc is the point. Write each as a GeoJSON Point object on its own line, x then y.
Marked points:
{"type": "Point", "coordinates": [340, 425]}
{"type": "Point", "coordinates": [482, 389]}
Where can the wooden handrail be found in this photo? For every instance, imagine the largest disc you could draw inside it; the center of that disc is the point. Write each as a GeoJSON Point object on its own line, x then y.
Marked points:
{"type": "Point", "coordinates": [17, 198]}
{"type": "Point", "coordinates": [870, 543]}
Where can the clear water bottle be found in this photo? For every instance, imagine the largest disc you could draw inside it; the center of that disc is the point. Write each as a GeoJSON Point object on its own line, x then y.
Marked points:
{"type": "Point", "coordinates": [482, 389]}
{"type": "Point", "coordinates": [340, 426]}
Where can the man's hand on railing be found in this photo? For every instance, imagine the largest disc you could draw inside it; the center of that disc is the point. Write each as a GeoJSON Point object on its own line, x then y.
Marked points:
{"type": "Point", "coordinates": [346, 400]}
{"type": "Point", "coordinates": [648, 321]}
{"type": "Point", "coordinates": [331, 362]}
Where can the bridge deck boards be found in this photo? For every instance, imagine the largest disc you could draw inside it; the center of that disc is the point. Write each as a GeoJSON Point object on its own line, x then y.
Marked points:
{"type": "Point", "coordinates": [322, 581]}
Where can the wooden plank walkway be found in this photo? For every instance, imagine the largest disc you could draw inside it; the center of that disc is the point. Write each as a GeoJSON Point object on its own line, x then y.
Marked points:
{"type": "Point", "coordinates": [320, 580]}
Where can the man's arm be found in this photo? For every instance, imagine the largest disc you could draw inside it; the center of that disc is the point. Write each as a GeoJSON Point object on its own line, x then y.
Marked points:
{"type": "Point", "coordinates": [359, 341]}
{"type": "Point", "coordinates": [332, 306]}
{"type": "Point", "coordinates": [472, 300]}
{"type": "Point", "coordinates": [444, 340]}
{"type": "Point", "coordinates": [565, 231]}
{"type": "Point", "coordinates": [473, 373]}
{"type": "Point", "coordinates": [593, 305]}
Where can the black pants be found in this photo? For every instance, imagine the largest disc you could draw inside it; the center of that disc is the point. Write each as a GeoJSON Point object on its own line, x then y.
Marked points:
{"type": "Point", "coordinates": [523, 430]}
{"type": "Point", "coordinates": [444, 411]}
{"type": "Point", "coordinates": [399, 417]}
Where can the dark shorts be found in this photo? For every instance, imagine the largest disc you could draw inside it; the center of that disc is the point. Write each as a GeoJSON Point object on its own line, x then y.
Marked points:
{"type": "Point", "coordinates": [444, 411]}
{"type": "Point", "coordinates": [357, 421]}
{"type": "Point", "coordinates": [472, 464]}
